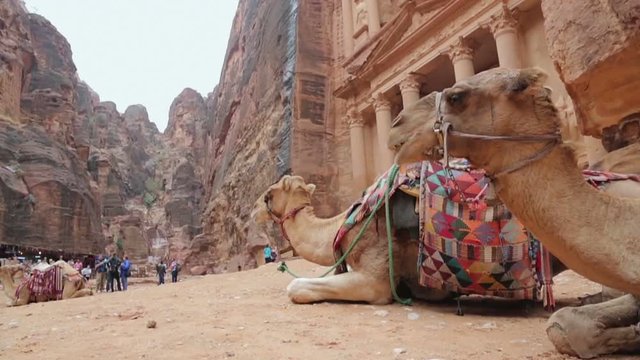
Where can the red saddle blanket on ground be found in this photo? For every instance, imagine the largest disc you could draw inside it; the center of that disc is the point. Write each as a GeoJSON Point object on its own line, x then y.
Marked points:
{"type": "Point", "coordinates": [48, 284]}
{"type": "Point", "coordinates": [466, 245]}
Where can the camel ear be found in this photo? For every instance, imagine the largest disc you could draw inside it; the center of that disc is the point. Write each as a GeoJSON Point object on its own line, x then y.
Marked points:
{"type": "Point", "coordinates": [286, 183]}
{"type": "Point", "coordinates": [527, 78]}
{"type": "Point", "coordinates": [310, 188]}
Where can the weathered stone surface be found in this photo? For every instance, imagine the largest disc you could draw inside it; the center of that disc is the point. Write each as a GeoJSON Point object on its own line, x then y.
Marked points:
{"type": "Point", "coordinates": [595, 46]}
{"type": "Point", "coordinates": [46, 201]}
{"type": "Point", "coordinates": [16, 57]}
{"type": "Point", "coordinates": [265, 121]}
{"type": "Point", "coordinates": [198, 270]}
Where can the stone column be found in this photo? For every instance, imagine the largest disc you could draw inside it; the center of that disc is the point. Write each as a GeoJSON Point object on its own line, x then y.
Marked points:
{"type": "Point", "coordinates": [383, 125]}
{"type": "Point", "coordinates": [461, 55]}
{"type": "Point", "coordinates": [373, 16]}
{"type": "Point", "coordinates": [505, 31]}
{"type": "Point", "coordinates": [358, 160]}
{"type": "Point", "coordinates": [347, 27]}
{"type": "Point", "coordinates": [410, 90]}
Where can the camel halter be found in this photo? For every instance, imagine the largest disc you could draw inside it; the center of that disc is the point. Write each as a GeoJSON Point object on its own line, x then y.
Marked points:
{"type": "Point", "coordinates": [443, 129]}
{"type": "Point", "coordinates": [280, 221]}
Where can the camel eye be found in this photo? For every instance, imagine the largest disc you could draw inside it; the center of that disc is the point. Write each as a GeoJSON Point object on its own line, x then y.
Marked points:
{"type": "Point", "coordinates": [456, 98]}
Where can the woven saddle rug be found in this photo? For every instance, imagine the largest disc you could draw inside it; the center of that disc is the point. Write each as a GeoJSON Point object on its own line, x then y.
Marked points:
{"type": "Point", "coordinates": [47, 283]}
{"type": "Point", "coordinates": [466, 245]}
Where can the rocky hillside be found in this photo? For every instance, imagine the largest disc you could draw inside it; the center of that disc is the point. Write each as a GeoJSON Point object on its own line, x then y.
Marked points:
{"type": "Point", "coordinates": [76, 175]}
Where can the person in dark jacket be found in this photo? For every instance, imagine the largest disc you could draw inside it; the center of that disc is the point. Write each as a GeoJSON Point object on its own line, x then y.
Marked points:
{"type": "Point", "coordinates": [113, 265]}
{"type": "Point", "coordinates": [161, 269]}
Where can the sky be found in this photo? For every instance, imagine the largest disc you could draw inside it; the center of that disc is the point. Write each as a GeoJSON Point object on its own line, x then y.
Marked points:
{"type": "Point", "coordinates": [144, 51]}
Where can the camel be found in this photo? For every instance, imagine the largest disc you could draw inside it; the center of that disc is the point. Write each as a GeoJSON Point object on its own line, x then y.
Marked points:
{"type": "Point", "coordinates": [594, 233]}
{"type": "Point", "coordinates": [11, 276]}
{"type": "Point", "coordinates": [368, 278]}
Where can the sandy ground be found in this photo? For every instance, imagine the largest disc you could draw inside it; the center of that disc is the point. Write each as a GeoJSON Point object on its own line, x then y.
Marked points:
{"type": "Point", "coordinates": [247, 315]}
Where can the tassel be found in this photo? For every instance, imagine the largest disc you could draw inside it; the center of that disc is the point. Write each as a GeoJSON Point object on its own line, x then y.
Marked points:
{"type": "Point", "coordinates": [548, 301]}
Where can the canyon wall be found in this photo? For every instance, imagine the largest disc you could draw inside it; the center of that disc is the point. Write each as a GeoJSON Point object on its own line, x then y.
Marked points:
{"type": "Point", "coordinates": [595, 46]}
{"type": "Point", "coordinates": [46, 200]}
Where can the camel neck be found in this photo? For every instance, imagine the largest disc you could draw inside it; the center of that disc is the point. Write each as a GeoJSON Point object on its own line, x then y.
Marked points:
{"type": "Point", "coordinates": [589, 231]}
{"type": "Point", "coordinates": [312, 237]}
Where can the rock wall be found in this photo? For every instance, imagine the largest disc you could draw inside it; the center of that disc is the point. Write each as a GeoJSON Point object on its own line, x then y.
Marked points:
{"type": "Point", "coordinates": [595, 46]}
{"type": "Point", "coordinates": [47, 200]}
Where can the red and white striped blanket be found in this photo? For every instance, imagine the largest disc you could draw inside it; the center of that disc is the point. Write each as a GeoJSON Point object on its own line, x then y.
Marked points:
{"type": "Point", "coordinates": [43, 283]}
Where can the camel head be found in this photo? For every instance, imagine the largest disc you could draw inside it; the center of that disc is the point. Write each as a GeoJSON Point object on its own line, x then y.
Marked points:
{"type": "Point", "coordinates": [497, 102]}
{"type": "Point", "coordinates": [411, 131]}
{"type": "Point", "coordinates": [12, 271]}
{"type": "Point", "coordinates": [285, 195]}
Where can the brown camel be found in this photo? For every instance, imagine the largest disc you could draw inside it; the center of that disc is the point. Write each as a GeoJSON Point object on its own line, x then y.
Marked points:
{"type": "Point", "coordinates": [594, 233]}
{"type": "Point", "coordinates": [368, 276]}
{"type": "Point", "coordinates": [11, 276]}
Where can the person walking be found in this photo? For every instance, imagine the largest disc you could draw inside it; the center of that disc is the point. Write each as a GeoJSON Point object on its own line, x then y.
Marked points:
{"type": "Point", "coordinates": [161, 269]}
{"type": "Point", "coordinates": [101, 270]}
{"type": "Point", "coordinates": [125, 272]}
{"type": "Point", "coordinates": [267, 254]}
{"type": "Point", "coordinates": [113, 265]}
{"type": "Point", "coordinates": [175, 268]}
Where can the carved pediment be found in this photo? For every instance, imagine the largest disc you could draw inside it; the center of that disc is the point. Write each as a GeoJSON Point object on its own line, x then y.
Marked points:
{"type": "Point", "coordinates": [407, 21]}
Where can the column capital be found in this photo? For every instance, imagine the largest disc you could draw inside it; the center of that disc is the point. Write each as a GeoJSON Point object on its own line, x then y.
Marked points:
{"type": "Point", "coordinates": [410, 83]}
{"type": "Point", "coordinates": [380, 102]}
{"type": "Point", "coordinates": [353, 119]}
{"type": "Point", "coordinates": [504, 21]}
{"type": "Point", "coordinates": [461, 49]}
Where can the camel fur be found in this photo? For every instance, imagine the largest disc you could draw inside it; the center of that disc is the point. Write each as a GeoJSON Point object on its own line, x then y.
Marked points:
{"type": "Point", "coordinates": [11, 276]}
{"type": "Point", "coordinates": [368, 277]}
{"type": "Point", "coordinates": [594, 233]}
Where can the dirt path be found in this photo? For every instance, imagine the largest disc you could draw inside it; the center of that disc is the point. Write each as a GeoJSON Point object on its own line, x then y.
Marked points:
{"type": "Point", "coordinates": [247, 315]}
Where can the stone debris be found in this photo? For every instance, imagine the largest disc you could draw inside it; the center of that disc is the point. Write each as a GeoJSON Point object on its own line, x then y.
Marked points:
{"type": "Point", "coordinates": [151, 324]}
{"type": "Point", "coordinates": [381, 313]}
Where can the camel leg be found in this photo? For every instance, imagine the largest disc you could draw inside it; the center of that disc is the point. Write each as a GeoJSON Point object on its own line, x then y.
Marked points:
{"type": "Point", "coordinates": [606, 294]}
{"type": "Point", "coordinates": [349, 286]}
{"type": "Point", "coordinates": [592, 330]}
{"type": "Point", "coordinates": [81, 293]}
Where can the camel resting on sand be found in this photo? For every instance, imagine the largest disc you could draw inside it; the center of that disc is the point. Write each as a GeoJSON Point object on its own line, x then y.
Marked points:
{"type": "Point", "coordinates": [594, 233]}
{"type": "Point", "coordinates": [11, 277]}
{"type": "Point", "coordinates": [368, 276]}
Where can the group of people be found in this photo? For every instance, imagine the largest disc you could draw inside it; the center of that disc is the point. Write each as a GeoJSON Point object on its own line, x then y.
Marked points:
{"type": "Point", "coordinates": [112, 269]}
{"type": "Point", "coordinates": [161, 269]}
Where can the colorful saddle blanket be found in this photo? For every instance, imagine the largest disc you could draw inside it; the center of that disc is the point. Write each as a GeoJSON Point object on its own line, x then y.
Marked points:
{"type": "Point", "coordinates": [468, 247]}
{"type": "Point", "coordinates": [47, 283]}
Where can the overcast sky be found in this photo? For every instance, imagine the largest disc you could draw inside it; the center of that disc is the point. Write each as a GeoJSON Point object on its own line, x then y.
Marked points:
{"type": "Point", "coordinates": [144, 51]}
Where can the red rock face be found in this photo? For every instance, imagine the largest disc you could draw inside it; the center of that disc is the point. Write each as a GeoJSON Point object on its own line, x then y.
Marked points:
{"type": "Point", "coordinates": [16, 57]}
{"type": "Point", "coordinates": [269, 116]}
{"type": "Point", "coordinates": [595, 47]}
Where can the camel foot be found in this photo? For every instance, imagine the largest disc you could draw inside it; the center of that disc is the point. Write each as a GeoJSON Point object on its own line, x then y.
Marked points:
{"type": "Point", "coordinates": [593, 330]}
{"type": "Point", "coordinates": [606, 294]}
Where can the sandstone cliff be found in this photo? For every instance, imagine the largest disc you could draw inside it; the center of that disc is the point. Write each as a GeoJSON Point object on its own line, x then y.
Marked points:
{"type": "Point", "coordinates": [47, 200]}
{"type": "Point", "coordinates": [595, 46]}
{"type": "Point", "coordinates": [261, 115]}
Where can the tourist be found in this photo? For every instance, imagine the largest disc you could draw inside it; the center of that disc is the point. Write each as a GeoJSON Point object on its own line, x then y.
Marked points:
{"type": "Point", "coordinates": [101, 269]}
{"type": "Point", "coordinates": [161, 269]}
{"type": "Point", "coordinates": [175, 268]}
{"type": "Point", "coordinates": [112, 266]}
{"type": "Point", "coordinates": [125, 272]}
{"type": "Point", "coordinates": [267, 254]}
{"type": "Point", "coordinates": [86, 272]}
{"type": "Point", "coordinates": [77, 265]}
